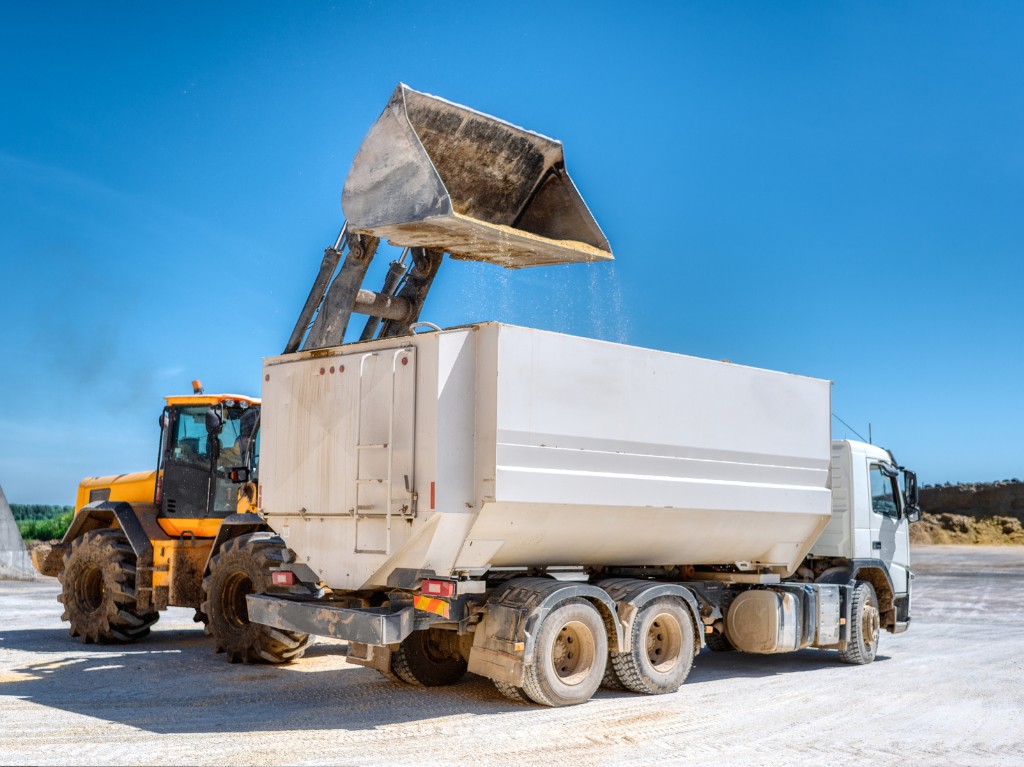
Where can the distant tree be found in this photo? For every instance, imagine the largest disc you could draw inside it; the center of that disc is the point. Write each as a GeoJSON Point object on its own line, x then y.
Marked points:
{"type": "Point", "coordinates": [36, 511]}
{"type": "Point", "coordinates": [45, 529]}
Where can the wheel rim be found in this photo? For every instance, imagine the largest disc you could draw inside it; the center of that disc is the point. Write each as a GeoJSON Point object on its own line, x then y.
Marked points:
{"type": "Point", "coordinates": [664, 642]}
{"type": "Point", "coordinates": [573, 653]}
{"type": "Point", "coordinates": [870, 624]}
{"type": "Point", "coordinates": [237, 587]}
{"type": "Point", "coordinates": [89, 588]}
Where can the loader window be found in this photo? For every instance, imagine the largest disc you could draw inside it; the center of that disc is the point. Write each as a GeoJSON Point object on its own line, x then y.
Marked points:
{"type": "Point", "coordinates": [883, 494]}
{"type": "Point", "coordinates": [190, 438]}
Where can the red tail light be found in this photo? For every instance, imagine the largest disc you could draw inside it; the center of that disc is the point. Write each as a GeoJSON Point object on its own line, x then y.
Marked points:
{"type": "Point", "coordinates": [443, 589]}
{"type": "Point", "coordinates": [282, 578]}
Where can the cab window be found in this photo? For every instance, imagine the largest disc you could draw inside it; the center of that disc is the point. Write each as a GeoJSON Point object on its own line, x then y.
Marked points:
{"type": "Point", "coordinates": [883, 494]}
{"type": "Point", "coordinates": [190, 443]}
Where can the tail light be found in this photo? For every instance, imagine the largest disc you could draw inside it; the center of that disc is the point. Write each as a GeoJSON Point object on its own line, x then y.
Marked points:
{"type": "Point", "coordinates": [282, 578]}
{"type": "Point", "coordinates": [443, 589]}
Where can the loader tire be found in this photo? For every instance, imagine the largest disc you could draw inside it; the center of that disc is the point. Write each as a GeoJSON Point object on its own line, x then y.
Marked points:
{"type": "Point", "coordinates": [865, 626]}
{"type": "Point", "coordinates": [570, 655]}
{"type": "Point", "coordinates": [429, 658]}
{"type": "Point", "coordinates": [98, 590]}
{"type": "Point", "coordinates": [662, 649]}
{"type": "Point", "coordinates": [242, 567]}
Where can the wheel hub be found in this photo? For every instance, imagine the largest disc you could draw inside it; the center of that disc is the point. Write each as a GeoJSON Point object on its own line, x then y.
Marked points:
{"type": "Point", "coordinates": [871, 624]}
{"type": "Point", "coordinates": [573, 652]}
{"type": "Point", "coordinates": [664, 642]}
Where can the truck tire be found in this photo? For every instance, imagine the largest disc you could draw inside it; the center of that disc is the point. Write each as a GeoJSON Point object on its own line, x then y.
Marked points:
{"type": "Point", "coordinates": [98, 590]}
{"type": "Point", "coordinates": [429, 658]}
{"type": "Point", "coordinates": [511, 692]}
{"type": "Point", "coordinates": [865, 626]}
{"type": "Point", "coordinates": [718, 642]}
{"type": "Point", "coordinates": [569, 655]}
{"type": "Point", "coordinates": [662, 649]}
{"type": "Point", "coordinates": [610, 680]}
{"type": "Point", "coordinates": [242, 567]}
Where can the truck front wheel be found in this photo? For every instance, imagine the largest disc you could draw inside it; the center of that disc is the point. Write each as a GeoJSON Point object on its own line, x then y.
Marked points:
{"type": "Point", "coordinates": [569, 655]}
{"type": "Point", "coordinates": [240, 568]}
{"type": "Point", "coordinates": [865, 626]}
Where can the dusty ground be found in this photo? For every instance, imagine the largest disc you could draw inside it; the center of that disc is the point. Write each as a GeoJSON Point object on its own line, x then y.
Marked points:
{"type": "Point", "coordinates": [948, 692]}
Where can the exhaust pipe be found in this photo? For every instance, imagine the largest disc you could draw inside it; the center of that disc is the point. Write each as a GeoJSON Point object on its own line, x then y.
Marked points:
{"type": "Point", "coordinates": [437, 175]}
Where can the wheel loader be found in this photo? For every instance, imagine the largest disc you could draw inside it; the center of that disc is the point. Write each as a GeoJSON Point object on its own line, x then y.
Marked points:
{"type": "Point", "coordinates": [431, 177]}
{"type": "Point", "coordinates": [141, 542]}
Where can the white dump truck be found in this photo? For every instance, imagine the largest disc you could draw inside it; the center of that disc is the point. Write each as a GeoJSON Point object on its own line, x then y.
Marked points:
{"type": "Point", "coordinates": [551, 512]}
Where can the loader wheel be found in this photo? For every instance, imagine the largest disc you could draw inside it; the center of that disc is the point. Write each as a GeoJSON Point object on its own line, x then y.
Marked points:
{"type": "Point", "coordinates": [570, 655]}
{"type": "Point", "coordinates": [240, 568]}
{"type": "Point", "coordinates": [98, 590]}
{"type": "Point", "coordinates": [429, 658]}
{"type": "Point", "coordinates": [662, 649]}
{"type": "Point", "coordinates": [865, 626]}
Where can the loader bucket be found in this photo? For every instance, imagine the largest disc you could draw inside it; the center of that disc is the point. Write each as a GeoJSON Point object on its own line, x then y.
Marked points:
{"type": "Point", "coordinates": [438, 175]}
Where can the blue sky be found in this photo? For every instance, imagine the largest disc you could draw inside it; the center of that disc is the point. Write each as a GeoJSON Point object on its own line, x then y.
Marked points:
{"type": "Point", "coordinates": [828, 189]}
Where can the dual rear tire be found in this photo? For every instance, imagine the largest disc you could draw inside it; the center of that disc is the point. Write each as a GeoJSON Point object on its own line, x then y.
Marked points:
{"type": "Point", "coordinates": [571, 658]}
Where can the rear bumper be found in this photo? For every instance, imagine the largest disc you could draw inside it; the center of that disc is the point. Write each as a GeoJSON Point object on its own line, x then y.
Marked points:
{"type": "Point", "coordinates": [369, 625]}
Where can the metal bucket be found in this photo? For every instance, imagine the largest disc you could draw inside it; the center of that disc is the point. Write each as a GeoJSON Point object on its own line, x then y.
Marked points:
{"type": "Point", "coordinates": [438, 175]}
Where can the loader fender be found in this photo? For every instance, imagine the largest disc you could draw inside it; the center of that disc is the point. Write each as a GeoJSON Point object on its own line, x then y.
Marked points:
{"type": "Point", "coordinates": [103, 514]}
{"type": "Point", "coordinates": [631, 595]}
{"type": "Point", "coordinates": [873, 571]}
{"type": "Point", "coordinates": [233, 526]}
{"type": "Point", "coordinates": [504, 641]}
{"type": "Point", "coordinates": [98, 515]}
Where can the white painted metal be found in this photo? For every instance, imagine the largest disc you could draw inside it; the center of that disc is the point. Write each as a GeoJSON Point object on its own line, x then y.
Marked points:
{"type": "Point", "coordinates": [856, 530]}
{"type": "Point", "coordinates": [536, 448]}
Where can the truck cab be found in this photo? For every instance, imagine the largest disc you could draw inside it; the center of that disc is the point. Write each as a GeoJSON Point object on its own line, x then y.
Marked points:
{"type": "Point", "coordinates": [873, 502]}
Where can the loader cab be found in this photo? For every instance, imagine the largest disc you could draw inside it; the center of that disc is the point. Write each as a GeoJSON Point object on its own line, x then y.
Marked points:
{"type": "Point", "coordinates": [208, 445]}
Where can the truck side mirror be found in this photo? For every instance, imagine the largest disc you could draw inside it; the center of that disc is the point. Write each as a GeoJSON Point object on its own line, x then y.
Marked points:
{"type": "Point", "coordinates": [913, 507]}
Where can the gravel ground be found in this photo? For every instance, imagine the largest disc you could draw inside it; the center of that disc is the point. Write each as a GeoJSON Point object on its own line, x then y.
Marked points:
{"type": "Point", "coordinates": [950, 691]}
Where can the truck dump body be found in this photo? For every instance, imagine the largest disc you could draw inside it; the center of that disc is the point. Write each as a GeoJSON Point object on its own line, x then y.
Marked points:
{"type": "Point", "coordinates": [495, 446]}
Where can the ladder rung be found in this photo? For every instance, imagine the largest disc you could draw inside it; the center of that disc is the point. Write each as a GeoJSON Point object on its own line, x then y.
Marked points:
{"type": "Point", "coordinates": [366, 507]}
{"type": "Point", "coordinates": [371, 447]}
{"type": "Point", "coordinates": [369, 481]}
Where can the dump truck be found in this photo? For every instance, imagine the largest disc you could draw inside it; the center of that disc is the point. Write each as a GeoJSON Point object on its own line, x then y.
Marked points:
{"type": "Point", "coordinates": [551, 512]}
{"type": "Point", "coordinates": [555, 512]}
{"type": "Point", "coordinates": [140, 542]}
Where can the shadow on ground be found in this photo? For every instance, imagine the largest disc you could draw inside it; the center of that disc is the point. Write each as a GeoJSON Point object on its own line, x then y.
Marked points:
{"type": "Point", "coordinates": [173, 682]}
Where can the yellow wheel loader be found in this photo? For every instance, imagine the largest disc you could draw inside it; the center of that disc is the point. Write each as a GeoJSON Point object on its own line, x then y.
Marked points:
{"type": "Point", "coordinates": [142, 542]}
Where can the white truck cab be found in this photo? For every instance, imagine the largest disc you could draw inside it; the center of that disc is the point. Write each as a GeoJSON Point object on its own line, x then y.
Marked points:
{"type": "Point", "coordinates": [873, 503]}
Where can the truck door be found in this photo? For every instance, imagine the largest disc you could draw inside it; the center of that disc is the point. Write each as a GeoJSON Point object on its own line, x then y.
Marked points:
{"type": "Point", "coordinates": [889, 534]}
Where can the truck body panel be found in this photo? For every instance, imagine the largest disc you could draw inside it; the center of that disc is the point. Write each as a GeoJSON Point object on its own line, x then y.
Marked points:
{"type": "Point", "coordinates": [495, 446]}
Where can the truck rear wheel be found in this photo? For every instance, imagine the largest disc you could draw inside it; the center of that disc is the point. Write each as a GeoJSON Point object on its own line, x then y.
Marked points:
{"type": "Point", "coordinates": [662, 649]}
{"type": "Point", "coordinates": [569, 656]}
{"type": "Point", "coordinates": [242, 567]}
{"type": "Point", "coordinates": [429, 658]}
{"type": "Point", "coordinates": [98, 590]}
{"type": "Point", "coordinates": [865, 626]}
